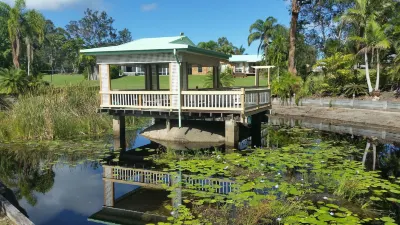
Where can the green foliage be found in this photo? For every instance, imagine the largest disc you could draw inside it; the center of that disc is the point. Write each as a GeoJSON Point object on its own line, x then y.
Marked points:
{"type": "Point", "coordinates": [356, 89]}
{"type": "Point", "coordinates": [115, 71]}
{"type": "Point", "coordinates": [222, 45]}
{"type": "Point", "coordinates": [262, 31]}
{"type": "Point", "coordinates": [315, 85]}
{"type": "Point", "coordinates": [286, 85]}
{"type": "Point", "coordinates": [338, 71]}
{"type": "Point", "coordinates": [13, 81]}
{"type": "Point", "coordinates": [54, 113]}
{"type": "Point", "coordinates": [303, 182]}
{"type": "Point", "coordinates": [225, 79]}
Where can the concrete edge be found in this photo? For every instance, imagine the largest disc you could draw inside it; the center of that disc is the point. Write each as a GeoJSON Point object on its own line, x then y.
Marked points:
{"type": "Point", "coordinates": [11, 211]}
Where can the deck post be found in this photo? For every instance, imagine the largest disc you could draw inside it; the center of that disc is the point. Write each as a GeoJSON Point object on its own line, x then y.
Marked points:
{"type": "Point", "coordinates": [119, 132]}
{"type": "Point", "coordinates": [168, 124]}
{"type": "Point", "coordinates": [231, 134]}
{"type": "Point", "coordinates": [109, 187]}
{"type": "Point", "coordinates": [257, 78]}
{"type": "Point", "coordinates": [215, 77]}
{"type": "Point", "coordinates": [256, 129]}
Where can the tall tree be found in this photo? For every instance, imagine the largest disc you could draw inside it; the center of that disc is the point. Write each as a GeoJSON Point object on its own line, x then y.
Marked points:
{"type": "Point", "coordinates": [124, 36]}
{"type": "Point", "coordinates": [262, 31]}
{"type": "Point", "coordinates": [210, 45]}
{"type": "Point", "coordinates": [378, 41]}
{"type": "Point", "coordinates": [359, 15]}
{"type": "Point", "coordinates": [15, 29]}
{"type": "Point", "coordinates": [33, 32]}
{"type": "Point", "coordinates": [295, 10]}
{"type": "Point", "coordinates": [240, 50]}
{"type": "Point", "coordinates": [95, 29]}
{"type": "Point", "coordinates": [5, 45]}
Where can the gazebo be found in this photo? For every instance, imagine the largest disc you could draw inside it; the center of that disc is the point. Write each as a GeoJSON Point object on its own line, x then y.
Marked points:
{"type": "Point", "coordinates": [178, 102]}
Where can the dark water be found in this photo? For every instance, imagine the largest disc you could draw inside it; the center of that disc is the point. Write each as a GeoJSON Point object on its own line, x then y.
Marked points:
{"type": "Point", "coordinates": [72, 192]}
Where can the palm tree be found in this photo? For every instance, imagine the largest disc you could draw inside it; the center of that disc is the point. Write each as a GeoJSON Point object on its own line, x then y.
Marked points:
{"type": "Point", "coordinates": [379, 42]}
{"type": "Point", "coordinates": [33, 32]}
{"type": "Point", "coordinates": [359, 16]}
{"type": "Point", "coordinates": [262, 31]}
{"type": "Point", "coordinates": [27, 25]}
{"type": "Point", "coordinates": [15, 29]}
{"type": "Point", "coordinates": [240, 50]}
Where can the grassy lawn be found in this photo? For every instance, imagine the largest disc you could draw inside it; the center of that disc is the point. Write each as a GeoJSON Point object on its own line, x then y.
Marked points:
{"type": "Point", "coordinates": [137, 82]}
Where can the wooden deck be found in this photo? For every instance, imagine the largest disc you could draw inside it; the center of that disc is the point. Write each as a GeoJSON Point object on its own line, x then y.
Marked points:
{"type": "Point", "coordinates": [241, 101]}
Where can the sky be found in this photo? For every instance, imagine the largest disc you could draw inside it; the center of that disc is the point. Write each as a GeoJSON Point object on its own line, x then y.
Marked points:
{"type": "Point", "coordinates": [202, 20]}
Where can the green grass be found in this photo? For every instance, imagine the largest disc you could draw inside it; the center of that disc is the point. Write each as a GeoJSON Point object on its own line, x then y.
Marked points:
{"type": "Point", "coordinates": [137, 82]}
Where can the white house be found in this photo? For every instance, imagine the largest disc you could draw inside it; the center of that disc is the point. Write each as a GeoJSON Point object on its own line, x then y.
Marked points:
{"type": "Point", "coordinates": [242, 64]}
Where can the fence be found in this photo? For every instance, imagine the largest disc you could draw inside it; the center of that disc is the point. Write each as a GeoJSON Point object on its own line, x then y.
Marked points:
{"type": "Point", "coordinates": [346, 103]}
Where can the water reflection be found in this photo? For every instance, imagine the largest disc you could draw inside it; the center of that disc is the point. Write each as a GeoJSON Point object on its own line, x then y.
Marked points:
{"type": "Point", "coordinates": [56, 184]}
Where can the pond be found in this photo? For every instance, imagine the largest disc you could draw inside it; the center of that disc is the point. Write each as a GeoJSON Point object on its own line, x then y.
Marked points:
{"type": "Point", "coordinates": [302, 173]}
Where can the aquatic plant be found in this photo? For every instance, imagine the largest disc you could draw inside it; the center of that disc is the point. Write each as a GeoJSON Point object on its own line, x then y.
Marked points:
{"type": "Point", "coordinates": [307, 183]}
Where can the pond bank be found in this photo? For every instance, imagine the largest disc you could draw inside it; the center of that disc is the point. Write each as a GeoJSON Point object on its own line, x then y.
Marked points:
{"type": "Point", "coordinates": [11, 214]}
{"type": "Point", "coordinates": [340, 115]}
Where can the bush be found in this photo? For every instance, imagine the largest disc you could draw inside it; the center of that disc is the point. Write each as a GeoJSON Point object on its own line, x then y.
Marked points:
{"type": "Point", "coordinates": [115, 71]}
{"type": "Point", "coordinates": [13, 81]}
{"type": "Point", "coordinates": [225, 79]}
{"type": "Point", "coordinates": [286, 86]}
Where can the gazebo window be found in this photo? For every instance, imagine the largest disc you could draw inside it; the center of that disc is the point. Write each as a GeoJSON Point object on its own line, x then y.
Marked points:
{"type": "Point", "coordinates": [200, 69]}
{"type": "Point", "coordinates": [163, 69]}
{"type": "Point", "coordinates": [138, 69]}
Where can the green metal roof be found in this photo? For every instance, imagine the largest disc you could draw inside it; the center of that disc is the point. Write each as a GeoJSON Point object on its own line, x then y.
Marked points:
{"type": "Point", "coordinates": [155, 45]}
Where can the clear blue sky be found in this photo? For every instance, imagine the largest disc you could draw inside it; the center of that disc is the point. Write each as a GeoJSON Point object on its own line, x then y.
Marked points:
{"type": "Point", "coordinates": [202, 20]}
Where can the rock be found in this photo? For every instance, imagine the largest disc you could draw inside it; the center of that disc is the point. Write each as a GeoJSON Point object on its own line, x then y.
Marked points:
{"type": "Point", "coordinates": [376, 98]}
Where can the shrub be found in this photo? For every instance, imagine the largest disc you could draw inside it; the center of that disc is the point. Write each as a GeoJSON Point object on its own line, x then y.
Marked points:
{"type": "Point", "coordinates": [115, 71]}
{"type": "Point", "coordinates": [356, 89]}
{"type": "Point", "coordinates": [225, 79]}
{"type": "Point", "coordinates": [13, 81]}
{"type": "Point", "coordinates": [286, 86]}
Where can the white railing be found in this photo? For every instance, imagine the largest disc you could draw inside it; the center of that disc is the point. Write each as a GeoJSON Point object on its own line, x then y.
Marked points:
{"type": "Point", "coordinates": [257, 97]}
{"type": "Point", "coordinates": [164, 179]}
{"type": "Point", "coordinates": [138, 99]}
{"type": "Point", "coordinates": [235, 99]}
{"type": "Point", "coordinates": [212, 100]}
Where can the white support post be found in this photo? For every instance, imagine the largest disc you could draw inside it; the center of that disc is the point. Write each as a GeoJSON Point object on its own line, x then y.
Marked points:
{"type": "Point", "coordinates": [105, 84]}
{"type": "Point", "coordinates": [257, 78]}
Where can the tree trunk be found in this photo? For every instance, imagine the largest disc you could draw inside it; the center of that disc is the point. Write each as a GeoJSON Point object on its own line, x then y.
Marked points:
{"type": "Point", "coordinates": [292, 38]}
{"type": "Point", "coordinates": [266, 50]}
{"type": "Point", "coordinates": [367, 73]}
{"type": "Point", "coordinates": [28, 54]}
{"type": "Point", "coordinates": [378, 65]}
{"type": "Point", "coordinates": [15, 52]}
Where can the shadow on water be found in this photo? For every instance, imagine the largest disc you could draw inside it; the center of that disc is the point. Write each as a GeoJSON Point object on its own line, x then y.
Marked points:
{"type": "Point", "coordinates": [67, 183]}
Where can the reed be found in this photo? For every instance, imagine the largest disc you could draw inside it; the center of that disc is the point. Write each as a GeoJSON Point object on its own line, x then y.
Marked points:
{"type": "Point", "coordinates": [54, 113]}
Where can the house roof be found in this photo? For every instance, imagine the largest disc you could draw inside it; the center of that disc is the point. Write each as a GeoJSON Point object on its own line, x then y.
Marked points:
{"type": "Point", "coordinates": [148, 45]}
{"type": "Point", "coordinates": [245, 58]}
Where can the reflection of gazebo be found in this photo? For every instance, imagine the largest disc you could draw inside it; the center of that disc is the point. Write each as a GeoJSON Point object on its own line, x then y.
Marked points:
{"type": "Point", "coordinates": [146, 204]}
